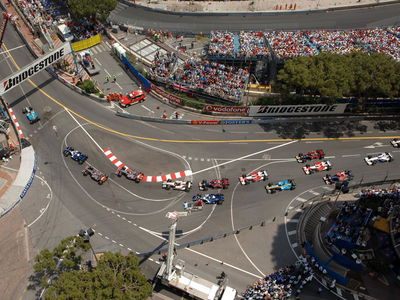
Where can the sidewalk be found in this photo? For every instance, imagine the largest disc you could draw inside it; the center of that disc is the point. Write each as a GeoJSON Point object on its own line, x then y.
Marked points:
{"type": "Point", "coordinates": [251, 5]}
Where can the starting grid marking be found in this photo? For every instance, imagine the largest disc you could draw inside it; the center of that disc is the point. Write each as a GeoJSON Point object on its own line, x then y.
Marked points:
{"type": "Point", "coordinates": [118, 163]}
{"type": "Point", "coordinates": [14, 118]}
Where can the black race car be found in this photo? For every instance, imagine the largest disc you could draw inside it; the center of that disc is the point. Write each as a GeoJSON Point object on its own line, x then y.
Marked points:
{"type": "Point", "coordinates": [95, 174]}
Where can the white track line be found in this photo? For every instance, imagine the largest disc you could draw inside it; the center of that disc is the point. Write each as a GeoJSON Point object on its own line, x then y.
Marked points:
{"type": "Point", "coordinates": [240, 158]}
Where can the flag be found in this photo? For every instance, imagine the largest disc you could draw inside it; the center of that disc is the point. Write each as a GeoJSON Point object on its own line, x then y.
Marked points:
{"type": "Point", "coordinates": [180, 88]}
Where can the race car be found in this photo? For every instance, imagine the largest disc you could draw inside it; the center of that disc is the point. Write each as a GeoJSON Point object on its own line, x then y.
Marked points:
{"type": "Point", "coordinates": [132, 98]}
{"type": "Point", "coordinates": [31, 115]}
{"type": "Point", "coordinates": [209, 198]}
{"type": "Point", "coordinates": [253, 177]}
{"type": "Point", "coordinates": [317, 154]}
{"type": "Point", "coordinates": [130, 174]}
{"type": "Point", "coordinates": [75, 155]}
{"type": "Point", "coordinates": [282, 185]}
{"type": "Point", "coordinates": [222, 183]}
{"type": "Point", "coordinates": [346, 175]}
{"type": "Point", "coordinates": [317, 167]}
{"type": "Point", "coordinates": [395, 143]}
{"type": "Point", "coordinates": [381, 157]}
{"type": "Point", "coordinates": [95, 174]}
{"type": "Point", "coordinates": [177, 185]}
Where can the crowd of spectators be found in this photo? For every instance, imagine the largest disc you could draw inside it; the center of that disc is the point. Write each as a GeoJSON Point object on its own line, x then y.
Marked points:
{"type": "Point", "coordinates": [350, 228]}
{"type": "Point", "coordinates": [253, 44]}
{"type": "Point", "coordinates": [249, 44]}
{"type": "Point", "coordinates": [210, 77]}
{"type": "Point", "coordinates": [221, 43]}
{"type": "Point", "coordinates": [52, 13]}
{"type": "Point", "coordinates": [289, 44]}
{"type": "Point", "coordinates": [286, 283]}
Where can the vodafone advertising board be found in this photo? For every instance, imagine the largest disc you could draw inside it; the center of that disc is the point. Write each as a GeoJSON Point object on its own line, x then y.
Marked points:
{"type": "Point", "coordinates": [227, 109]}
{"type": "Point", "coordinates": [33, 68]}
{"type": "Point", "coordinates": [296, 110]}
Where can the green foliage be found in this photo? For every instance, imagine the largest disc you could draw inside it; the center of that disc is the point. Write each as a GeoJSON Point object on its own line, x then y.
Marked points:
{"type": "Point", "coordinates": [99, 9]}
{"type": "Point", "coordinates": [205, 112]}
{"type": "Point", "coordinates": [332, 76]}
{"type": "Point", "coordinates": [88, 86]}
{"type": "Point", "coordinates": [101, 95]}
{"type": "Point", "coordinates": [116, 277]}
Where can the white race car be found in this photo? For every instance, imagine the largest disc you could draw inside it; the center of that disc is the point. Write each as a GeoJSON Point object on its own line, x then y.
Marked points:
{"type": "Point", "coordinates": [381, 157]}
{"type": "Point", "coordinates": [253, 177]}
{"type": "Point", "coordinates": [317, 167]}
{"type": "Point", "coordinates": [395, 143]}
{"type": "Point", "coordinates": [177, 185]}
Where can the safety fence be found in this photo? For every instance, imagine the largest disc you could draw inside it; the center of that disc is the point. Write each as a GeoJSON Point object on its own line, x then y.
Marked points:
{"type": "Point", "coordinates": [146, 84]}
{"type": "Point", "coordinates": [84, 44]}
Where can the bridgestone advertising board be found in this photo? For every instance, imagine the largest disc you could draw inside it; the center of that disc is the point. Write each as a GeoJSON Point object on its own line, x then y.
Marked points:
{"type": "Point", "coordinates": [296, 110]}
{"type": "Point", "coordinates": [33, 68]}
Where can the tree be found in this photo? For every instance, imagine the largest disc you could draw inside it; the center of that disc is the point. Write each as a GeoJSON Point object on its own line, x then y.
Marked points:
{"type": "Point", "coordinates": [115, 277]}
{"type": "Point", "coordinates": [96, 9]}
{"type": "Point", "coordinates": [358, 74]}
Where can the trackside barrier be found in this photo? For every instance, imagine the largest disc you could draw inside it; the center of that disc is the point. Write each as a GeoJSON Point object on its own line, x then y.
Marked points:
{"type": "Point", "coordinates": [146, 84]}
{"type": "Point", "coordinates": [17, 191]}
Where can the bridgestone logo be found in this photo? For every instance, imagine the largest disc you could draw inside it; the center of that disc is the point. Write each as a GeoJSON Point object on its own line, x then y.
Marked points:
{"type": "Point", "coordinates": [315, 109]}
{"type": "Point", "coordinates": [295, 109]}
{"type": "Point", "coordinates": [33, 68]}
{"type": "Point", "coordinates": [11, 82]}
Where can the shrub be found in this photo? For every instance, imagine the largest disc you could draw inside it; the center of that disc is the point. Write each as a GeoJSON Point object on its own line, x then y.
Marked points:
{"type": "Point", "coordinates": [88, 86]}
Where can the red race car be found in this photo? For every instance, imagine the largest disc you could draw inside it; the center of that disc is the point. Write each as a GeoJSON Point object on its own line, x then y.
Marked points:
{"type": "Point", "coordinates": [253, 177]}
{"type": "Point", "coordinates": [317, 167]}
{"type": "Point", "coordinates": [317, 154]}
{"type": "Point", "coordinates": [222, 183]}
{"type": "Point", "coordinates": [346, 175]}
{"type": "Point", "coordinates": [132, 98]}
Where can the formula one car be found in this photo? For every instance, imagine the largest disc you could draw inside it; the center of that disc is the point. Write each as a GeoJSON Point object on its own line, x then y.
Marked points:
{"type": "Point", "coordinates": [95, 174]}
{"type": "Point", "coordinates": [317, 154]}
{"type": "Point", "coordinates": [317, 167]}
{"type": "Point", "coordinates": [132, 98]}
{"type": "Point", "coordinates": [130, 174]}
{"type": "Point", "coordinates": [282, 185]}
{"type": "Point", "coordinates": [381, 157]}
{"type": "Point", "coordinates": [253, 177]}
{"type": "Point", "coordinates": [177, 185]}
{"type": "Point", "coordinates": [346, 175]}
{"type": "Point", "coordinates": [395, 143]}
{"type": "Point", "coordinates": [75, 155]}
{"type": "Point", "coordinates": [209, 198]}
{"type": "Point", "coordinates": [197, 205]}
{"type": "Point", "coordinates": [222, 183]}
{"type": "Point", "coordinates": [31, 115]}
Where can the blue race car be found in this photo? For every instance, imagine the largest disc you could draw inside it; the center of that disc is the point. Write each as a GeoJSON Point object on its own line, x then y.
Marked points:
{"type": "Point", "coordinates": [209, 198]}
{"type": "Point", "coordinates": [280, 186]}
{"type": "Point", "coordinates": [31, 115]}
{"type": "Point", "coordinates": [75, 155]}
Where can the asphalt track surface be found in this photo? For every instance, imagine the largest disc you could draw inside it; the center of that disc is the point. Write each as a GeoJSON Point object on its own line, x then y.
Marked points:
{"type": "Point", "coordinates": [131, 216]}
{"type": "Point", "coordinates": [385, 15]}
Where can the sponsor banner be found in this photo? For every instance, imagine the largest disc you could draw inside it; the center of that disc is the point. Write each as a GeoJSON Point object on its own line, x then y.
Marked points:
{"type": "Point", "coordinates": [296, 110]}
{"type": "Point", "coordinates": [34, 68]}
{"type": "Point", "coordinates": [227, 109]}
{"type": "Point", "coordinates": [233, 122]}
{"type": "Point", "coordinates": [205, 122]}
{"type": "Point", "coordinates": [84, 44]}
